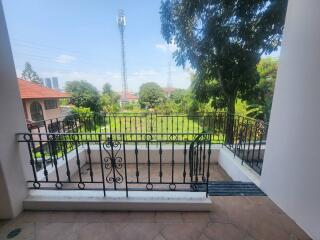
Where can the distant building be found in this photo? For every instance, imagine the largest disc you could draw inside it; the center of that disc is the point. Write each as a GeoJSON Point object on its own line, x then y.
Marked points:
{"type": "Point", "coordinates": [168, 91]}
{"type": "Point", "coordinates": [48, 83]}
{"type": "Point", "coordinates": [55, 83]}
{"type": "Point", "coordinates": [39, 102]}
{"type": "Point", "coordinates": [131, 97]}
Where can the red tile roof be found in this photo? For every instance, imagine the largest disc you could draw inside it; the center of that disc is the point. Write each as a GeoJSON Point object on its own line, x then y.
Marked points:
{"type": "Point", "coordinates": [169, 89]}
{"type": "Point", "coordinates": [130, 96]}
{"type": "Point", "coordinates": [30, 90]}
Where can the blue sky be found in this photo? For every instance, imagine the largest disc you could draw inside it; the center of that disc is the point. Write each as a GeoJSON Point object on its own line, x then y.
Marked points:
{"type": "Point", "coordinates": [79, 39]}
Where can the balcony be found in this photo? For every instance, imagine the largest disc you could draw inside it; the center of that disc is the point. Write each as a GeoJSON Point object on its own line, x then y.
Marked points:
{"type": "Point", "coordinates": [286, 167]}
{"type": "Point", "coordinates": [134, 152]}
{"type": "Point", "coordinates": [121, 155]}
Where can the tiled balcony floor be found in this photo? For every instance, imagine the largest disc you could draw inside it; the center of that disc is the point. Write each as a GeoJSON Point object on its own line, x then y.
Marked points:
{"type": "Point", "coordinates": [216, 174]}
{"type": "Point", "coordinates": [246, 218]}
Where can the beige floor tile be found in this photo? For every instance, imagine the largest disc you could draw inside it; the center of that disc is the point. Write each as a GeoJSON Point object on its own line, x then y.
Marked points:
{"type": "Point", "coordinates": [203, 237]}
{"type": "Point", "coordinates": [100, 231]}
{"type": "Point", "coordinates": [141, 217]}
{"type": "Point", "coordinates": [267, 230]}
{"type": "Point", "coordinates": [3, 222]}
{"type": "Point", "coordinates": [168, 217]}
{"type": "Point", "coordinates": [34, 216]}
{"type": "Point", "coordinates": [218, 214]}
{"type": "Point", "coordinates": [249, 237]}
{"type": "Point", "coordinates": [288, 225]}
{"type": "Point", "coordinates": [27, 230]}
{"type": "Point", "coordinates": [223, 231]}
{"type": "Point", "coordinates": [115, 217]}
{"type": "Point", "coordinates": [61, 216]}
{"type": "Point", "coordinates": [139, 231]}
{"type": "Point", "coordinates": [90, 217]}
{"type": "Point", "coordinates": [159, 237]}
{"type": "Point", "coordinates": [249, 218]}
{"type": "Point", "coordinates": [57, 231]}
{"type": "Point", "coordinates": [185, 231]}
{"type": "Point", "coordinates": [190, 217]}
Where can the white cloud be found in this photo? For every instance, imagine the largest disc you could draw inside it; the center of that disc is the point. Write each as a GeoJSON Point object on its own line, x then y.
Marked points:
{"type": "Point", "coordinates": [170, 48]}
{"type": "Point", "coordinates": [64, 59]}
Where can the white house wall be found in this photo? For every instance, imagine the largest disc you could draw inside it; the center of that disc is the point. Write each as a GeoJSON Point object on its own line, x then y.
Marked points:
{"type": "Point", "coordinates": [12, 181]}
{"type": "Point", "coordinates": [291, 169]}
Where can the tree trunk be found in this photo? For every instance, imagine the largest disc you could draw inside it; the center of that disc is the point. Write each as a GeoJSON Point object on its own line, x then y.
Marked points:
{"type": "Point", "coordinates": [230, 120]}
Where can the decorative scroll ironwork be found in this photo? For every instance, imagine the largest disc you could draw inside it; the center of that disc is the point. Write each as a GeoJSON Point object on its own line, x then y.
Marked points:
{"type": "Point", "coordinates": [112, 162]}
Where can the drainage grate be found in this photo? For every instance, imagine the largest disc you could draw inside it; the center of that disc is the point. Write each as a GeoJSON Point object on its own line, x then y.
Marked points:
{"type": "Point", "coordinates": [233, 188]}
{"type": "Point", "coordinates": [15, 232]}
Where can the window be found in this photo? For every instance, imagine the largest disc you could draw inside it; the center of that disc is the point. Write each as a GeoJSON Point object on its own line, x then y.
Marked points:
{"type": "Point", "coordinates": [36, 111]}
{"type": "Point", "coordinates": [50, 104]}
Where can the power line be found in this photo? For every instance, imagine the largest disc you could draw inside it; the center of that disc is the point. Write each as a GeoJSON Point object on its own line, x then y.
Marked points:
{"type": "Point", "coordinates": [50, 60]}
{"type": "Point", "coordinates": [41, 46]}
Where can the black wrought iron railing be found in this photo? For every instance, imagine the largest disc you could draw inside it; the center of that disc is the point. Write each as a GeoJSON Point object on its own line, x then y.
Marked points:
{"type": "Point", "coordinates": [249, 141]}
{"type": "Point", "coordinates": [109, 161]}
{"type": "Point", "coordinates": [135, 123]}
{"type": "Point", "coordinates": [245, 137]}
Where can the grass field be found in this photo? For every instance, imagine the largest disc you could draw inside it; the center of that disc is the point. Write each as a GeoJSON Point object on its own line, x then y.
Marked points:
{"type": "Point", "coordinates": [136, 125]}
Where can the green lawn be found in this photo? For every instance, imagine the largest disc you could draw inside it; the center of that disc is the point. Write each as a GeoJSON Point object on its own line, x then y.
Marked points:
{"type": "Point", "coordinates": [157, 125]}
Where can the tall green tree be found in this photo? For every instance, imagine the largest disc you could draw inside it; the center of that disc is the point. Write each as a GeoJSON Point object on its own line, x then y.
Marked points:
{"type": "Point", "coordinates": [29, 74]}
{"type": "Point", "coordinates": [109, 99]}
{"type": "Point", "coordinates": [223, 41]}
{"type": "Point", "coordinates": [183, 99]}
{"type": "Point", "coordinates": [150, 95]}
{"type": "Point", "coordinates": [84, 94]}
{"type": "Point", "coordinates": [267, 69]}
{"type": "Point", "coordinates": [107, 89]}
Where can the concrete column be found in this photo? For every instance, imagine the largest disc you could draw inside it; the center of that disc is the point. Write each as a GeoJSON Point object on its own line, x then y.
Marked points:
{"type": "Point", "coordinates": [291, 170]}
{"type": "Point", "coordinates": [12, 182]}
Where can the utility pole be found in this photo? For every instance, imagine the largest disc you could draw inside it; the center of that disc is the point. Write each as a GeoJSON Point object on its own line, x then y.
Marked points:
{"type": "Point", "coordinates": [121, 21]}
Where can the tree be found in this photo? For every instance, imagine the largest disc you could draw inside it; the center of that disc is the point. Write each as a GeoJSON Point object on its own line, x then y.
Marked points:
{"type": "Point", "coordinates": [267, 69]}
{"type": "Point", "coordinates": [109, 99]}
{"type": "Point", "coordinates": [223, 41]}
{"type": "Point", "coordinates": [29, 74]}
{"type": "Point", "coordinates": [83, 94]}
{"type": "Point", "coordinates": [168, 107]}
{"type": "Point", "coordinates": [107, 89]}
{"type": "Point", "coordinates": [150, 95]}
{"type": "Point", "coordinates": [183, 99]}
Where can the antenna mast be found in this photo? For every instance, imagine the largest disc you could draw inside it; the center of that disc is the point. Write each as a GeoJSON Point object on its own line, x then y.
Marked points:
{"type": "Point", "coordinates": [121, 21]}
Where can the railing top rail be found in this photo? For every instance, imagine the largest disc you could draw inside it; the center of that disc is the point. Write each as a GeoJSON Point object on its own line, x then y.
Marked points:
{"type": "Point", "coordinates": [125, 137]}
{"type": "Point", "coordinates": [129, 114]}
{"type": "Point", "coordinates": [109, 133]}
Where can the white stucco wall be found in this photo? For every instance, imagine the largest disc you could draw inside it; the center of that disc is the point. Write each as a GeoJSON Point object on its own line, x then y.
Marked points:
{"type": "Point", "coordinates": [62, 167]}
{"type": "Point", "coordinates": [291, 171]}
{"type": "Point", "coordinates": [154, 154]}
{"type": "Point", "coordinates": [235, 169]}
{"type": "Point", "coordinates": [12, 182]}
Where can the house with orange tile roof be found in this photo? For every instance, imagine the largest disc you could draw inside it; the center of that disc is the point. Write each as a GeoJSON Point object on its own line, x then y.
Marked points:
{"type": "Point", "coordinates": [168, 91]}
{"type": "Point", "coordinates": [130, 97]}
{"type": "Point", "coordinates": [40, 102]}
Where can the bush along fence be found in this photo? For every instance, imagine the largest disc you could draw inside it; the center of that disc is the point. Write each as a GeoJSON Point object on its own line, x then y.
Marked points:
{"type": "Point", "coordinates": [246, 136]}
